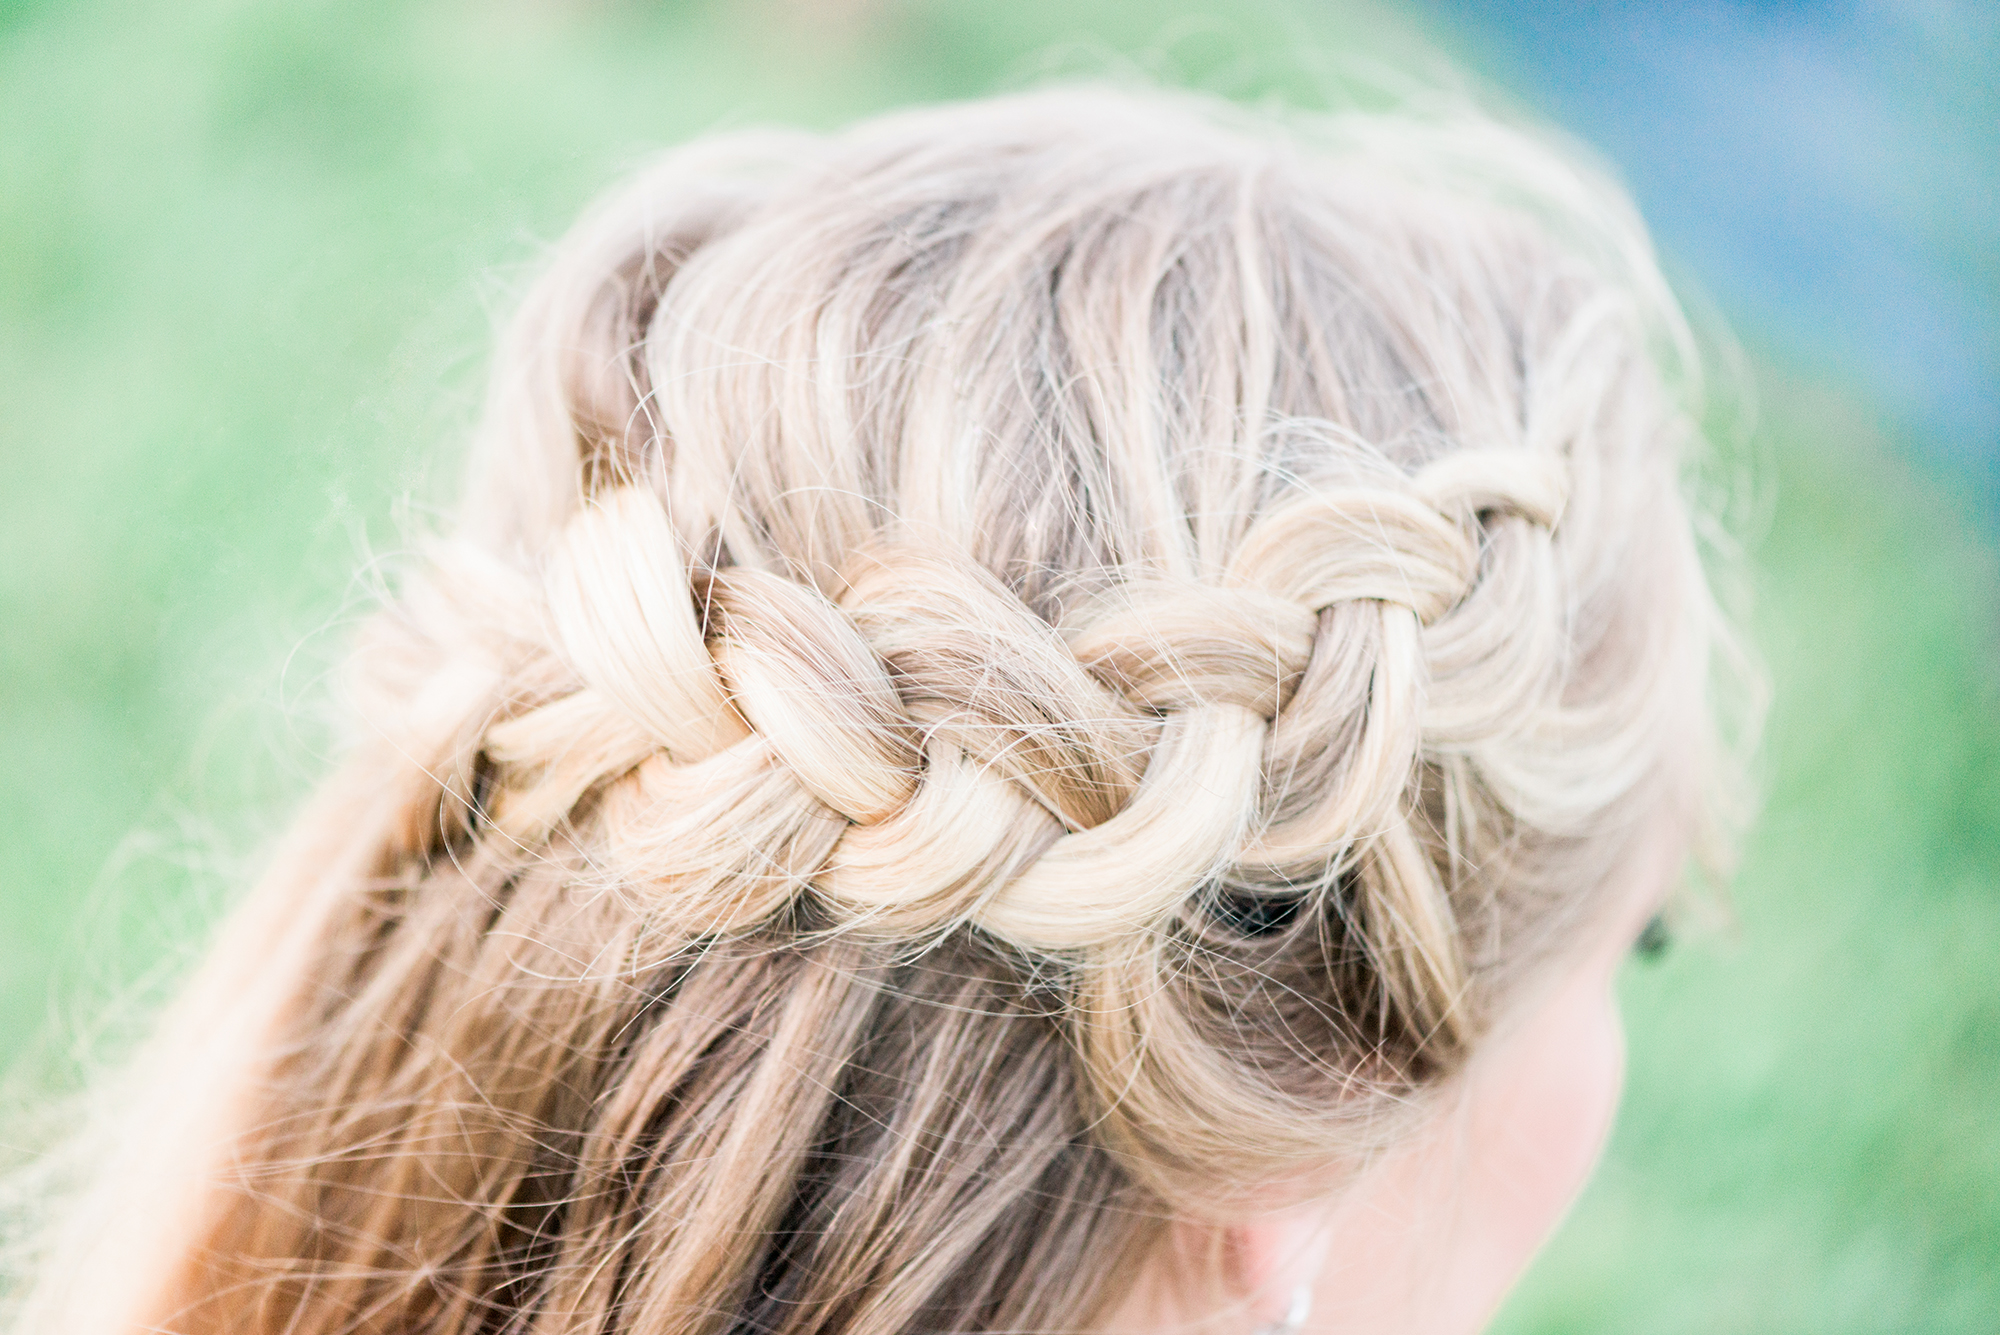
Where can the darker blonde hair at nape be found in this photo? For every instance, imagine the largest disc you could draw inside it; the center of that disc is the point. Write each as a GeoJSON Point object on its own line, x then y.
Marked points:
{"type": "Point", "coordinates": [1016, 673]}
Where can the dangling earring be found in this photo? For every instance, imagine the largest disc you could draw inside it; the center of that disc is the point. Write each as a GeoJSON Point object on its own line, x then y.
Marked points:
{"type": "Point", "coordinates": [1295, 1316]}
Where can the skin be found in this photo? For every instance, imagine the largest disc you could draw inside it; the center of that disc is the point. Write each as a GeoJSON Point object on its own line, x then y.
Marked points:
{"type": "Point", "coordinates": [1429, 1240]}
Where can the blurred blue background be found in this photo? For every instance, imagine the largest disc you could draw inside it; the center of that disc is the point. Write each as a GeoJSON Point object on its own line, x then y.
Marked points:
{"type": "Point", "coordinates": [1829, 172]}
{"type": "Point", "coordinates": [250, 259]}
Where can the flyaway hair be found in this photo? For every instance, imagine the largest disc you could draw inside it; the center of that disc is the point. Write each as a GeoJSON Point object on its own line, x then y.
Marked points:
{"type": "Point", "coordinates": [1013, 673]}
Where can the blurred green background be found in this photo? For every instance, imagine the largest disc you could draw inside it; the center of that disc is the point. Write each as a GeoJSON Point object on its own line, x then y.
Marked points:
{"type": "Point", "coordinates": [250, 260]}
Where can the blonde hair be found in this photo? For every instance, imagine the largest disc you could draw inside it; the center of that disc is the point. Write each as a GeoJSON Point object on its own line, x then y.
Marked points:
{"type": "Point", "coordinates": [1021, 671]}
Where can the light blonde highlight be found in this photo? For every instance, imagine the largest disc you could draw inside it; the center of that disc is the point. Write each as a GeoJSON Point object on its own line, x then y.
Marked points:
{"type": "Point", "coordinates": [1021, 672]}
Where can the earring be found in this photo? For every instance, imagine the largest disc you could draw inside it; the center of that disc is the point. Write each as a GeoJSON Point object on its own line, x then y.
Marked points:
{"type": "Point", "coordinates": [1295, 1315]}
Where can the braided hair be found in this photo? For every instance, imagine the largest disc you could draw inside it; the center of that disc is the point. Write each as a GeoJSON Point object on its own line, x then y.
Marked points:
{"type": "Point", "coordinates": [1014, 673]}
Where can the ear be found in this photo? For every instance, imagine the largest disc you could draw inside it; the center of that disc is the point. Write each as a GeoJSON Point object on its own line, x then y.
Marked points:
{"type": "Point", "coordinates": [1276, 1259]}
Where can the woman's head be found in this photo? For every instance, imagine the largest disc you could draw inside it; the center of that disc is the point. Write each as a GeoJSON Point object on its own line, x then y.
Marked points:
{"type": "Point", "coordinates": [1015, 689]}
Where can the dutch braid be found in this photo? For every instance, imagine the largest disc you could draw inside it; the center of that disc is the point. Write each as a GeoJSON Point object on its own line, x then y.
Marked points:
{"type": "Point", "coordinates": [928, 702]}
{"type": "Point", "coordinates": [1024, 670]}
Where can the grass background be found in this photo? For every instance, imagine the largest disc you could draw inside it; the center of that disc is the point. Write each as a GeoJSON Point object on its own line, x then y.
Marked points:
{"type": "Point", "coordinates": [250, 258]}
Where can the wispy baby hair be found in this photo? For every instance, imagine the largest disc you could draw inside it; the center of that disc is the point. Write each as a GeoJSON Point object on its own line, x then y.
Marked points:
{"type": "Point", "coordinates": [1015, 672]}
